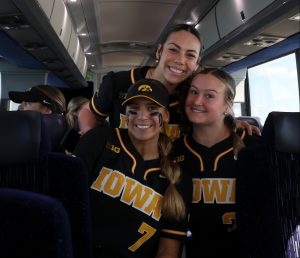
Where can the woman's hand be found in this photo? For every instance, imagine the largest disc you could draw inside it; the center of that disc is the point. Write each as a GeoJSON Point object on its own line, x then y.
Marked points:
{"type": "Point", "coordinates": [248, 127]}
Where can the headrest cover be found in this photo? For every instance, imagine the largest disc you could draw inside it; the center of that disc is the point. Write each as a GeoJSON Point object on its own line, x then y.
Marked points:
{"type": "Point", "coordinates": [281, 131]}
{"type": "Point", "coordinates": [252, 120]}
{"type": "Point", "coordinates": [22, 138]}
{"type": "Point", "coordinates": [56, 126]}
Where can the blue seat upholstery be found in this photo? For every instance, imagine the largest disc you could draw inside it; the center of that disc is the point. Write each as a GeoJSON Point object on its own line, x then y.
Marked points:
{"type": "Point", "coordinates": [267, 190]}
{"type": "Point", "coordinates": [30, 165]}
{"type": "Point", "coordinates": [252, 120]}
{"type": "Point", "coordinates": [23, 151]}
{"type": "Point", "coordinates": [20, 137]}
{"type": "Point", "coordinates": [282, 132]}
{"type": "Point", "coordinates": [33, 225]}
{"type": "Point", "coordinates": [56, 126]}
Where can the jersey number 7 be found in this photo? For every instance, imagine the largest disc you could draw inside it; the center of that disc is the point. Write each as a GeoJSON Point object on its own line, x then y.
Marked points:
{"type": "Point", "coordinates": [147, 232]}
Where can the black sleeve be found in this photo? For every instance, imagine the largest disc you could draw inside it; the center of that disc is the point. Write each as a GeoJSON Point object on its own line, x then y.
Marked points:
{"type": "Point", "coordinates": [90, 146]}
{"type": "Point", "coordinates": [102, 101]}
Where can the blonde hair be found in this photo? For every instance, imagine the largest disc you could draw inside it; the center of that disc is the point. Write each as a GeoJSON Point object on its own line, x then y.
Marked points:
{"type": "Point", "coordinates": [74, 105]}
{"type": "Point", "coordinates": [173, 204]}
{"type": "Point", "coordinates": [55, 94]}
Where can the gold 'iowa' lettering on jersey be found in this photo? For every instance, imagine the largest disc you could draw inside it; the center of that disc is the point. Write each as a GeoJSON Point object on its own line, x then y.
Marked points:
{"type": "Point", "coordinates": [214, 190]}
{"type": "Point", "coordinates": [123, 123]}
{"type": "Point", "coordinates": [133, 193]}
{"type": "Point", "coordinates": [173, 131]}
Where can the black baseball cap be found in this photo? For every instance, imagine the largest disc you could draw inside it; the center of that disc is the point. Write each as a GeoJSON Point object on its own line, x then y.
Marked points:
{"type": "Point", "coordinates": [34, 94]}
{"type": "Point", "coordinates": [151, 89]}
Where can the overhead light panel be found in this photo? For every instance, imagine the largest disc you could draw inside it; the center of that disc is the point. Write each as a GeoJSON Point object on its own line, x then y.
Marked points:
{"type": "Point", "coordinates": [263, 41]}
{"type": "Point", "coordinates": [295, 17]}
{"type": "Point", "coordinates": [228, 57]}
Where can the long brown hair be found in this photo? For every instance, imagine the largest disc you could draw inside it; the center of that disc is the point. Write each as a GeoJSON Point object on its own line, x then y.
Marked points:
{"type": "Point", "coordinates": [56, 95]}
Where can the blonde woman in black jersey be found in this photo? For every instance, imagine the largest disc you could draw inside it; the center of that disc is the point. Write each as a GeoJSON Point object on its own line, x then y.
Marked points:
{"type": "Point", "coordinates": [139, 198]}
{"type": "Point", "coordinates": [208, 152]}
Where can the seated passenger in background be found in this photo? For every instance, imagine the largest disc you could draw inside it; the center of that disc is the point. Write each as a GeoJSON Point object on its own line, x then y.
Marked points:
{"type": "Point", "coordinates": [139, 197]}
{"type": "Point", "coordinates": [76, 114]}
{"type": "Point", "coordinates": [41, 98]}
{"type": "Point", "coordinates": [208, 153]}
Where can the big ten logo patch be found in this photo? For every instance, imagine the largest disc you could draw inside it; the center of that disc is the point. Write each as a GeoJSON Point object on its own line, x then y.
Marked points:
{"type": "Point", "coordinates": [113, 147]}
{"type": "Point", "coordinates": [179, 159]}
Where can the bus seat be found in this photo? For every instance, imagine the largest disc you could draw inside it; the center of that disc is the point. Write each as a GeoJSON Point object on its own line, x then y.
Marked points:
{"type": "Point", "coordinates": [57, 126]}
{"type": "Point", "coordinates": [68, 181]}
{"type": "Point", "coordinates": [28, 164]}
{"type": "Point", "coordinates": [33, 225]}
{"type": "Point", "coordinates": [20, 137]}
{"type": "Point", "coordinates": [282, 132]}
{"type": "Point", "coordinates": [24, 146]}
{"type": "Point", "coordinates": [252, 120]}
{"type": "Point", "coordinates": [267, 190]}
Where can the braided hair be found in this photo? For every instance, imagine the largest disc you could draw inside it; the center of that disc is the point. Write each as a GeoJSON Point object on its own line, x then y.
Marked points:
{"type": "Point", "coordinates": [173, 204]}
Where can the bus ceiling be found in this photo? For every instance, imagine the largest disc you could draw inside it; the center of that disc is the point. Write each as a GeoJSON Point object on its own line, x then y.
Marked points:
{"type": "Point", "coordinates": [71, 37]}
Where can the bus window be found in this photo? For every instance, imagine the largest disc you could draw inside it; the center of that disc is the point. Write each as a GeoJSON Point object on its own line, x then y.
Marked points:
{"type": "Point", "coordinates": [273, 86]}
{"type": "Point", "coordinates": [13, 106]}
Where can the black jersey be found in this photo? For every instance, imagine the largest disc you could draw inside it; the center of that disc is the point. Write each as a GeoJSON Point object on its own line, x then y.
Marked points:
{"type": "Point", "coordinates": [213, 210]}
{"type": "Point", "coordinates": [126, 195]}
{"type": "Point", "coordinates": [107, 101]}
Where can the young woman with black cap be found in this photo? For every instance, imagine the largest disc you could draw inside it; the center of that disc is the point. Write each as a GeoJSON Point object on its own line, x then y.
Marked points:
{"type": "Point", "coordinates": [41, 98]}
{"type": "Point", "coordinates": [139, 198]}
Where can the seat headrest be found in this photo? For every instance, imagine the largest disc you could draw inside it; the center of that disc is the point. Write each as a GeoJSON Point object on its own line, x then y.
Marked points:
{"type": "Point", "coordinates": [22, 136]}
{"type": "Point", "coordinates": [252, 120]}
{"type": "Point", "coordinates": [56, 126]}
{"type": "Point", "coordinates": [281, 131]}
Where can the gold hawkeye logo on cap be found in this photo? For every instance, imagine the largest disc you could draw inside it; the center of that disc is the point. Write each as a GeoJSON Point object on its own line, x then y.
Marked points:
{"type": "Point", "coordinates": [145, 87]}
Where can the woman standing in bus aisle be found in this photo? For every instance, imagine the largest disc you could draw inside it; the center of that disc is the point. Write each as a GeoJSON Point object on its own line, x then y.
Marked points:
{"type": "Point", "coordinates": [138, 195]}
{"type": "Point", "coordinates": [177, 56]}
{"type": "Point", "coordinates": [208, 152]}
{"type": "Point", "coordinates": [42, 98]}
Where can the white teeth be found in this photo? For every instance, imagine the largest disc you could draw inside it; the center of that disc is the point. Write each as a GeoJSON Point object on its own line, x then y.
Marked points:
{"type": "Point", "coordinates": [143, 126]}
{"type": "Point", "coordinates": [176, 70]}
{"type": "Point", "coordinates": [196, 110]}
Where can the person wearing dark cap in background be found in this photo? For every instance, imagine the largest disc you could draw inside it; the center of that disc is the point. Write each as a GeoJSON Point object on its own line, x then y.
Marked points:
{"type": "Point", "coordinates": [139, 198]}
{"type": "Point", "coordinates": [42, 98]}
